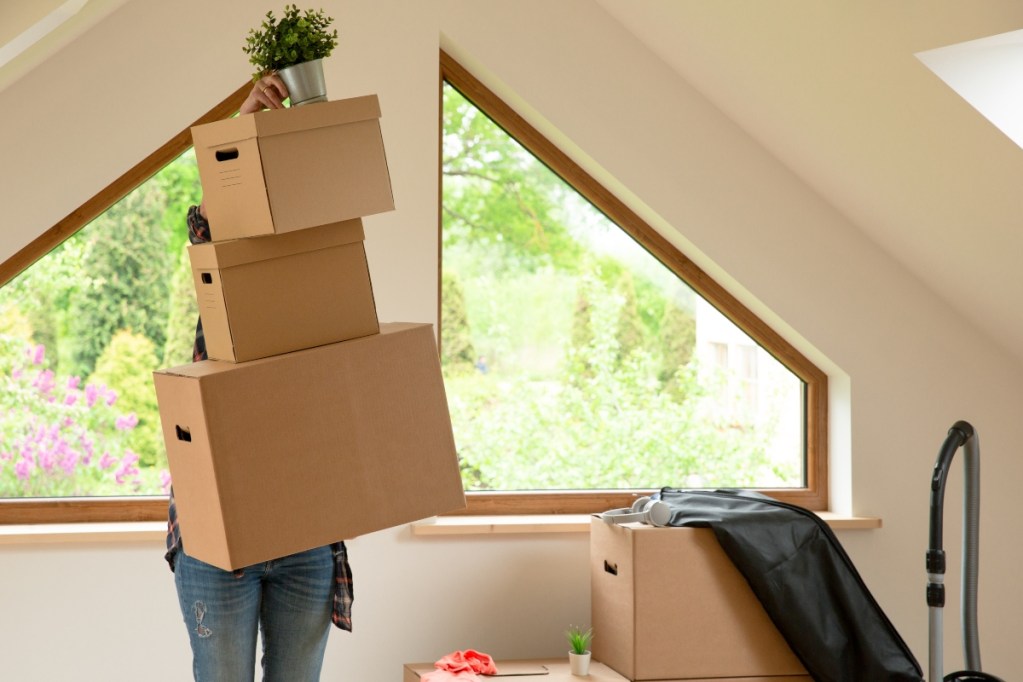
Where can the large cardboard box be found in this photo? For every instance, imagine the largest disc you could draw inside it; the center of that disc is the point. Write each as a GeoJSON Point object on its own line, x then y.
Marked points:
{"type": "Point", "coordinates": [286, 453]}
{"type": "Point", "coordinates": [280, 170]}
{"type": "Point", "coordinates": [668, 604]}
{"type": "Point", "coordinates": [279, 293]}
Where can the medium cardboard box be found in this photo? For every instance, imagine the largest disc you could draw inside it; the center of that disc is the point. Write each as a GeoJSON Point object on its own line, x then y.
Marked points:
{"type": "Point", "coordinates": [668, 604]}
{"type": "Point", "coordinates": [290, 452]}
{"type": "Point", "coordinates": [279, 293]}
{"type": "Point", "coordinates": [280, 170]}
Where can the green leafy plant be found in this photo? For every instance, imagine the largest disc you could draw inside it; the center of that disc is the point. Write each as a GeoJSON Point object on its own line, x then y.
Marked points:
{"type": "Point", "coordinates": [60, 439]}
{"type": "Point", "coordinates": [298, 37]}
{"type": "Point", "coordinates": [579, 639]}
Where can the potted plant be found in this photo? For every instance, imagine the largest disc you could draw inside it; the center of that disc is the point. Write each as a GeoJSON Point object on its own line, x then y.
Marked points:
{"type": "Point", "coordinates": [579, 653]}
{"type": "Point", "coordinates": [294, 48]}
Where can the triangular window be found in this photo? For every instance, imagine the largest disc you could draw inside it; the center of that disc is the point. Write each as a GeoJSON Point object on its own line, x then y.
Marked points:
{"type": "Point", "coordinates": [586, 359]}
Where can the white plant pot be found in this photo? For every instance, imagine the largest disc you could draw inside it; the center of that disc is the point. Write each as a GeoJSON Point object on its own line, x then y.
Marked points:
{"type": "Point", "coordinates": [305, 82]}
{"type": "Point", "coordinates": [579, 664]}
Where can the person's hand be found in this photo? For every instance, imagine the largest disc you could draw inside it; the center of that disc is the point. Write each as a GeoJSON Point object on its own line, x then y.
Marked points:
{"type": "Point", "coordinates": [269, 92]}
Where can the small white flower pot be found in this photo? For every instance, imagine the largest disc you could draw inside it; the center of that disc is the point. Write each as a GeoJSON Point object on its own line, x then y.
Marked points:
{"type": "Point", "coordinates": [579, 663]}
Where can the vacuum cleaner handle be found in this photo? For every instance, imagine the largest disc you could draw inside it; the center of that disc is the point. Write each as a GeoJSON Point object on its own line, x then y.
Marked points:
{"type": "Point", "coordinates": [957, 435]}
{"type": "Point", "coordinates": [960, 435]}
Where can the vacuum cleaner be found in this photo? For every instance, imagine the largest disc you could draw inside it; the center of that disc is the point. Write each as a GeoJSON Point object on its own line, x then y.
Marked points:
{"type": "Point", "coordinates": [960, 435]}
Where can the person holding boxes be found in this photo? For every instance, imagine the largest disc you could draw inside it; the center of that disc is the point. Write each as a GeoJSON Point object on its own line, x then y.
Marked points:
{"type": "Point", "coordinates": [292, 600]}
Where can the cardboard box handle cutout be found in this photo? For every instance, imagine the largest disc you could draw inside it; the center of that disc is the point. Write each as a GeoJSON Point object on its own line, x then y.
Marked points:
{"type": "Point", "coordinates": [183, 434]}
{"type": "Point", "coordinates": [610, 568]}
{"type": "Point", "coordinates": [227, 154]}
{"type": "Point", "coordinates": [207, 278]}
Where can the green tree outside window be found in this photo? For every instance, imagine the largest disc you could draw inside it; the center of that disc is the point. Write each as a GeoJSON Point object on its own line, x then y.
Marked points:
{"type": "Point", "coordinates": [81, 332]}
{"type": "Point", "coordinates": [588, 372]}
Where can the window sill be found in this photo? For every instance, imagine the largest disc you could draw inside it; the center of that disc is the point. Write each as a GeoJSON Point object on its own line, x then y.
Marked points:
{"type": "Point", "coordinates": [60, 533]}
{"type": "Point", "coordinates": [151, 531]}
{"type": "Point", "coordinates": [574, 523]}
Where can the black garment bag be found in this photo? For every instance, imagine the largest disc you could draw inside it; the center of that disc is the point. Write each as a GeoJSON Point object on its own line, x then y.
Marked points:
{"type": "Point", "coordinates": [806, 582]}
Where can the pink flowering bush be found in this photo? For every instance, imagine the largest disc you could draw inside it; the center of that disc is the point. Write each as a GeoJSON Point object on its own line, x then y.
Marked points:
{"type": "Point", "coordinates": [58, 438]}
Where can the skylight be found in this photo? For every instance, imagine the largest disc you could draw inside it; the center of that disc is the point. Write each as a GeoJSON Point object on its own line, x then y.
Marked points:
{"type": "Point", "coordinates": [988, 74]}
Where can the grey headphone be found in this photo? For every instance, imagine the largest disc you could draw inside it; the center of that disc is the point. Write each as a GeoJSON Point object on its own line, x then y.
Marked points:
{"type": "Point", "coordinates": [644, 510]}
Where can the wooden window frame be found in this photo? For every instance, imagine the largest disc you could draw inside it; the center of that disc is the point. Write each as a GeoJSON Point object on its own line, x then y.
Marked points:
{"type": "Point", "coordinates": [102, 509]}
{"type": "Point", "coordinates": [814, 495]}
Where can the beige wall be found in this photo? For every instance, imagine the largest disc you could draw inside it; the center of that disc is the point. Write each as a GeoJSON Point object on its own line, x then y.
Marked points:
{"type": "Point", "coordinates": [902, 366]}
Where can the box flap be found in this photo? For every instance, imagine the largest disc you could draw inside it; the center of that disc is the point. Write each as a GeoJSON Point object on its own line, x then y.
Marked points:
{"type": "Point", "coordinates": [395, 327]}
{"type": "Point", "coordinates": [318, 115]}
{"type": "Point", "coordinates": [226, 254]}
{"type": "Point", "coordinates": [220, 133]}
{"type": "Point", "coordinates": [197, 370]}
{"type": "Point", "coordinates": [205, 368]}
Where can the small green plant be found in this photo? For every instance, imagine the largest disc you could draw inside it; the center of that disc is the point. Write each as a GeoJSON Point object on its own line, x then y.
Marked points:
{"type": "Point", "coordinates": [579, 639]}
{"type": "Point", "coordinates": [298, 37]}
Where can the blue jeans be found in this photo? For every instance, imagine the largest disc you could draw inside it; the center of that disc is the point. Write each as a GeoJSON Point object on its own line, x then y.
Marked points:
{"type": "Point", "coordinates": [288, 599]}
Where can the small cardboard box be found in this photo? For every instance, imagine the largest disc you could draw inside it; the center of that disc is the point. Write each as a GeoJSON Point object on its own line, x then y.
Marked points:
{"type": "Point", "coordinates": [668, 604]}
{"type": "Point", "coordinates": [290, 452]}
{"type": "Point", "coordinates": [279, 293]}
{"type": "Point", "coordinates": [280, 170]}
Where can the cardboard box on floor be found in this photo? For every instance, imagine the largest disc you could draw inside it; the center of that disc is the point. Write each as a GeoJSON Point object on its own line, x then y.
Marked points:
{"type": "Point", "coordinates": [275, 294]}
{"type": "Point", "coordinates": [290, 452]}
{"type": "Point", "coordinates": [668, 604]}
{"type": "Point", "coordinates": [280, 170]}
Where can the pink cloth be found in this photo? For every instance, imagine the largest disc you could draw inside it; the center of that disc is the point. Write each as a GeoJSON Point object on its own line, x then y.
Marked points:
{"type": "Point", "coordinates": [461, 665]}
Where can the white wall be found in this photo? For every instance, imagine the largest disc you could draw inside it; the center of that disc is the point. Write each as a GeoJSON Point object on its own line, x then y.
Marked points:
{"type": "Point", "coordinates": [902, 366]}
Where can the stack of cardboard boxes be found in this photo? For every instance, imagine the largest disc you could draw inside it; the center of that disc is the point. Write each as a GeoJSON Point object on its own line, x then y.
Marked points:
{"type": "Point", "coordinates": [311, 422]}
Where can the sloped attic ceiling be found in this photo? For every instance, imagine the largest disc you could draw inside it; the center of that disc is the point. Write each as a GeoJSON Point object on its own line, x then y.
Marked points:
{"type": "Point", "coordinates": [836, 91]}
{"type": "Point", "coordinates": [33, 30]}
